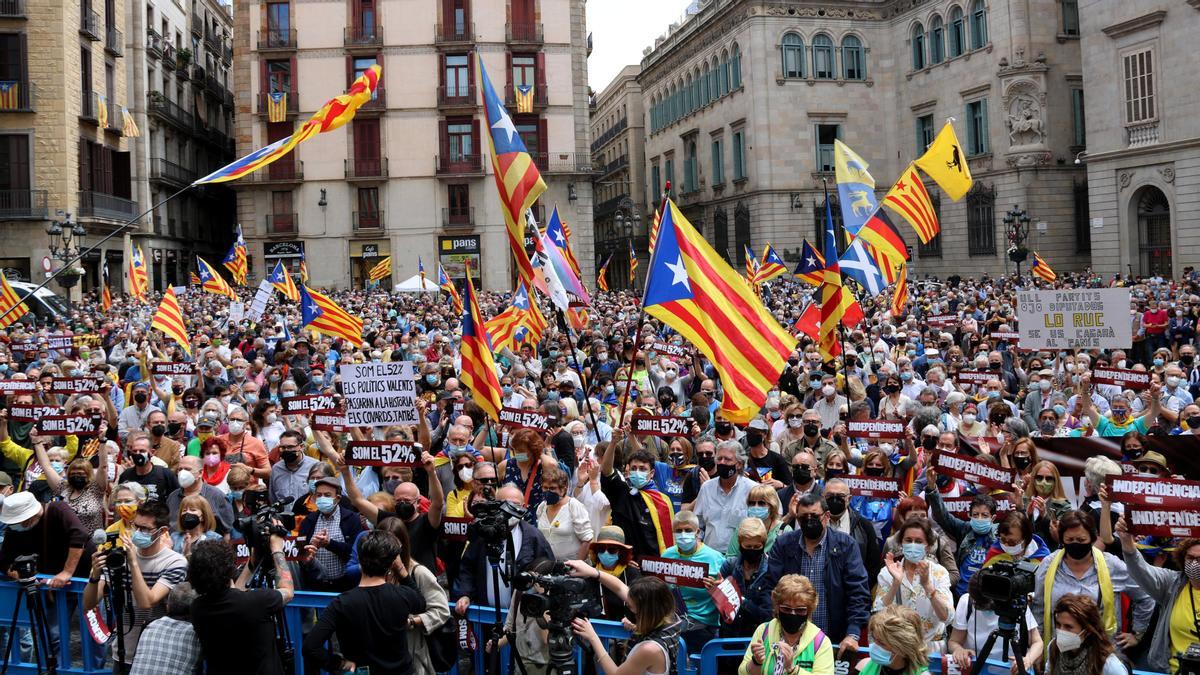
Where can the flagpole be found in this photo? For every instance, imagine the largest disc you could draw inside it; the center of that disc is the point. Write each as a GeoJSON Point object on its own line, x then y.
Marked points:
{"type": "Point", "coordinates": [587, 385]}
{"type": "Point", "coordinates": [637, 335]}
{"type": "Point", "coordinates": [120, 228]}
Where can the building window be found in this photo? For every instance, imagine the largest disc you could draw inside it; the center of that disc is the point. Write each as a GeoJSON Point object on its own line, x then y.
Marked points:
{"type": "Point", "coordinates": [822, 54]}
{"type": "Point", "coordinates": [532, 138]}
{"type": "Point", "coordinates": [278, 24]}
{"type": "Point", "coordinates": [741, 230]}
{"type": "Point", "coordinates": [688, 103]}
{"type": "Point", "coordinates": [723, 75]}
{"type": "Point", "coordinates": [735, 69]}
{"type": "Point", "coordinates": [793, 55]}
{"type": "Point", "coordinates": [1079, 127]}
{"type": "Point", "coordinates": [656, 183]}
{"type": "Point", "coordinates": [958, 32]}
{"type": "Point", "coordinates": [937, 41]}
{"type": "Point", "coordinates": [918, 47]}
{"type": "Point", "coordinates": [691, 172]}
{"type": "Point", "coordinates": [934, 248]}
{"type": "Point", "coordinates": [977, 127]}
{"type": "Point", "coordinates": [524, 69]}
{"type": "Point", "coordinates": [458, 75]}
{"type": "Point", "coordinates": [368, 207]}
{"type": "Point", "coordinates": [721, 233]}
{"type": "Point", "coordinates": [981, 220]}
{"type": "Point", "coordinates": [279, 76]}
{"type": "Point", "coordinates": [458, 202]}
{"type": "Point", "coordinates": [1139, 87]}
{"type": "Point", "coordinates": [669, 171]}
{"type": "Point", "coordinates": [15, 172]}
{"type": "Point", "coordinates": [705, 92]}
{"type": "Point", "coordinates": [462, 141]}
{"type": "Point", "coordinates": [979, 30]}
{"type": "Point", "coordinates": [739, 155]}
{"type": "Point", "coordinates": [1083, 228]}
{"type": "Point", "coordinates": [924, 132]}
{"type": "Point", "coordinates": [854, 59]}
{"type": "Point", "coordinates": [826, 134]}
{"type": "Point", "coordinates": [1070, 17]}
{"type": "Point", "coordinates": [718, 161]}
{"type": "Point", "coordinates": [361, 65]}
{"type": "Point", "coordinates": [820, 224]}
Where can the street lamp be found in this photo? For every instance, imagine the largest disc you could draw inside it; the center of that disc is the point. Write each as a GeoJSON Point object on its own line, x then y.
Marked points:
{"type": "Point", "coordinates": [1016, 226]}
{"type": "Point", "coordinates": [65, 237]}
{"type": "Point", "coordinates": [628, 222]}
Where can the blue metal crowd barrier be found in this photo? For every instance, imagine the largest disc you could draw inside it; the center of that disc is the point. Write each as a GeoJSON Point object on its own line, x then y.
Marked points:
{"type": "Point", "coordinates": [62, 609]}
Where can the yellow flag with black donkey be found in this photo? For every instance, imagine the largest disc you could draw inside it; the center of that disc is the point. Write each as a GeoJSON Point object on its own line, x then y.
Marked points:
{"type": "Point", "coordinates": [946, 163]}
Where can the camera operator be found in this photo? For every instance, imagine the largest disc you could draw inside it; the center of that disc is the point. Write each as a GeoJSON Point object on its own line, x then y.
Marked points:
{"type": "Point", "coordinates": [1178, 623]}
{"type": "Point", "coordinates": [371, 621]}
{"type": "Point", "coordinates": [235, 626]}
{"type": "Point", "coordinates": [656, 626]}
{"type": "Point", "coordinates": [50, 531]}
{"type": "Point", "coordinates": [154, 569]}
{"type": "Point", "coordinates": [975, 620]}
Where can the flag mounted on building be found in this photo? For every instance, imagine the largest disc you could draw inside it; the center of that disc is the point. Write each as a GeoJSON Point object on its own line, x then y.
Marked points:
{"type": "Point", "coordinates": [946, 164]}
{"type": "Point", "coordinates": [523, 96]}
{"type": "Point", "coordinates": [236, 260]}
{"type": "Point", "coordinates": [381, 270]}
{"type": "Point", "coordinates": [319, 313]}
{"type": "Point", "coordinates": [11, 306]}
{"type": "Point", "coordinates": [811, 268]}
{"type": "Point", "coordinates": [695, 292]}
{"type": "Point", "coordinates": [602, 275]}
{"type": "Point", "coordinates": [129, 128]}
{"type": "Point", "coordinates": [169, 320]}
{"type": "Point", "coordinates": [102, 111]}
{"type": "Point", "coordinates": [333, 115]}
{"type": "Point", "coordinates": [277, 106]}
{"type": "Point", "coordinates": [447, 285]}
{"type": "Point", "coordinates": [281, 279]}
{"type": "Point", "coordinates": [1041, 270]}
{"type": "Point", "coordinates": [856, 187]}
{"type": "Point", "coordinates": [771, 265]}
{"type": "Point", "coordinates": [139, 283]}
{"type": "Point", "coordinates": [518, 181]}
{"type": "Point", "coordinates": [478, 370]}
{"type": "Point", "coordinates": [910, 200]}
{"type": "Point", "coordinates": [900, 292]}
{"type": "Point", "coordinates": [106, 302]}
{"type": "Point", "coordinates": [10, 95]}
{"type": "Point", "coordinates": [211, 280]}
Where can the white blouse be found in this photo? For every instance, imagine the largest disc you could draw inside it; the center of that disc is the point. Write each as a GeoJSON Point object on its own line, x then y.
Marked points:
{"type": "Point", "coordinates": [569, 529]}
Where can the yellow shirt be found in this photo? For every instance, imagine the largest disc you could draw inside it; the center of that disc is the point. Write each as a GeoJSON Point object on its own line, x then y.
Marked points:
{"type": "Point", "coordinates": [455, 501]}
{"type": "Point", "coordinates": [1183, 624]}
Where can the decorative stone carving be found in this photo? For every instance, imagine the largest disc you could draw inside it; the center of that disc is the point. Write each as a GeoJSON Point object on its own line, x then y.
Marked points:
{"type": "Point", "coordinates": [1125, 179]}
{"type": "Point", "coordinates": [1024, 122]}
{"type": "Point", "coordinates": [1027, 160]}
{"type": "Point", "coordinates": [1168, 174]}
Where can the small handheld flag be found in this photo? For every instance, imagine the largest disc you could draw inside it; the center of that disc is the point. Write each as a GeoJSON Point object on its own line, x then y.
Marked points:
{"type": "Point", "coordinates": [811, 268]}
{"type": "Point", "coordinates": [771, 265]}
{"type": "Point", "coordinates": [752, 268]}
{"type": "Point", "coordinates": [169, 320]}
{"type": "Point", "coordinates": [138, 283]}
{"type": "Point", "coordinates": [381, 270]}
{"type": "Point", "coordinates": [448, 286]}
{"type": "Point", "coordinates": [633, 265]}
{"type": "Point", "coordinates": [235, 260]}
{"type": "Point", "coordinates": [1041, 270]}
{"type": "Point", "coordinates": [282, 281]}
{"type": "Point", "coordinates": [105, 288]}
{"type": "Point", "coordinates": [900, 292]}
{"type": "Point", "coordinates": [421, 271]}
{"type": "Point", "coordinates": [318, 312]}
{"type": "Point", "coordinates": [602, 275]}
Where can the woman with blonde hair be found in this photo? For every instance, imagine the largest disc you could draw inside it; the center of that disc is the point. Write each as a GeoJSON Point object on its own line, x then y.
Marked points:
{"type": "Point", "coordinates": [195, 523]}
{"type": "Point", "coordinates": [1043, 490]}
{"type": "Point", "coordinates": [897, 643]}
{"type": "Point", "coordinates": [1081, 646]}
{"type": "Point", "coordinates": [763, 503]}
{"type": "Point", "coordinates": [790, 643]}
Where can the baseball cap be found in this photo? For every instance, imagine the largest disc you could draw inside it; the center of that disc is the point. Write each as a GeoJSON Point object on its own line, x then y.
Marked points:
{"type": "Point", "coordinates": [207, 420]}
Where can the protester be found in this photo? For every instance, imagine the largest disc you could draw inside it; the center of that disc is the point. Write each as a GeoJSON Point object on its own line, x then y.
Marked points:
{"type": "Point", "coordinates": [790, 641]}
{"type": "Point", "coordinates": [169, 644]}
{"type": "Point", "coordinates": [916, 581]}
{"type": "Point", "coordinates": [897, 645]}
{"type": "Point", "coordinates": [1081, 643]}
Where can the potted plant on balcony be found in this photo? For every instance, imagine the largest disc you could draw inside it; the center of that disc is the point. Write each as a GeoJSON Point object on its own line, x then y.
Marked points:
{"type": "Point", "coordinates": [69, 276]}
{"type": "Point", "coordinates": [157, 97]}
{"type": "Point", "coordinates": [183, 57]}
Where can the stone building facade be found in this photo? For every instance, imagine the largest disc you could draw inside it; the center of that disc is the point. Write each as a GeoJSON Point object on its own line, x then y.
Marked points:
{"type": "Point", "coordinates": [410, 177]}
{"type": "Point", "coordinates": [618, 153]}
{"type": "Point", "coordinates": [1143, 159]}
{"type": "Point", "coordinates": [745, 98]}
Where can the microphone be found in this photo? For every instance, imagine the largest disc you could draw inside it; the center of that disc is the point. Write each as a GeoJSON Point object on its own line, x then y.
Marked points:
{"type": "Point", "coordinates": [99, 537]}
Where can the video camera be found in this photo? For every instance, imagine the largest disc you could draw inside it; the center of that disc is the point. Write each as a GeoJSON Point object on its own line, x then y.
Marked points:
{"type": "Point", "coordinates": [262, 521]}
{"type": "Point", "coordinates": [564, 597]}
{"type": "Point", "coordinates": [1007, 585]}
{"type": "Point", "coordinates": [26, 567]}
{"type": "Point", "coordinates": [1189, 660]}
{"type": "Point", "coordinates": [491, 520]}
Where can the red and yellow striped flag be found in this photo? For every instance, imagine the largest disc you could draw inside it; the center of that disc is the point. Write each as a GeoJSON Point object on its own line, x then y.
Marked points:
{"type": "Point", "coordinates": [105, 288]}
{"type": "Point", "coordinates": [10, 305]}
{"type": "Point", "coordinates": [323, 315]}
{"type": "Point", "coordinates": [654, 225]}
{"type": "Point", "coordinates": [633, 265]}
{"type": "Point", "coordinates": [900, 292]}
{"type": "Point", "coordinates": [1041, 270]}
{"type": "Point", "coordinates": [478, 365]}
{"type": "Point", "coordinates": [381, 270]}
{"type": "Point", "coordinates": [138, 281]}
{"type": "Point", "coordinates": [212, 281]}
{"type": "Point", "coordinates": [602, 275]}
{"type": "Point", "coordinates": [169, 320]}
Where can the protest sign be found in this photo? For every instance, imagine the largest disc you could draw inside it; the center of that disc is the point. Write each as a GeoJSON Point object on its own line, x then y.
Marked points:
{"type": "Point", "coordinates": [99, 631]}
{"type": "Point", "coordinates": [74, 385]}
{"type": "Point", "coordinates": [1159, 493]}
{"type": "Point", "coordinates": [25, 412]}
{"type": "Point", "coordinates": [941, 320]}
{"type": "Point", "coordinates": [383, 453]}
{"type": "Point", "coordinates": [237, 310]}
{"type": "Point", "coordinates": [1093, 318]}
{"type": "Point", "coordinates": [974, 471]}
{"type": "Point", "coordinates": [379, 394]}
{"type": "Point", "coordinates": [68, 425]}
{"type": "Point", "coordinates": [658, 425]}
{"type": "Point", "coordinates": [1126, 379]}
{"type": "Point", "coordinates": [299, 405]}
{"type": "Point", "coordinates": [677, 351]}
{"type": "Point", "coordinates": [169, 369]}
{"type": "Point", "coordinates": [870, 486]}
{"type": "Point", "coordinates": [85, 340]}
{"type": "Point", "coordinates": [455, 529]}
{"type": "Point", "coordinates": [1172, 523]}
{"type": "Point", "coordinates": [960, 507]}
{"type": "Point", "coordinates": [331, 419]}
{"type": "Point", "coordinates": [976, 377]}
{"type": "Point", "coordinates": [13, 387]}
{"type": "Point", "coordinates": [241, 550]}
{"type": "Point", "coordinates": [524, 419]}
{"type": "Point", "coordinates": [1005, 335]}
{"type": "Point", "coordinates": [727, 597]}
{"type": "Point", "coordinates": [677, 572]}
{"type": "Point", "coordinates": [875, 429]}
{"type": "Point", "coordinates": [261, 297]}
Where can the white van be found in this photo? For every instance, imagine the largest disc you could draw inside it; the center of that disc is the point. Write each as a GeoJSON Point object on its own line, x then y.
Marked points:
{"type": "Point", "coordinates": [46, 305]}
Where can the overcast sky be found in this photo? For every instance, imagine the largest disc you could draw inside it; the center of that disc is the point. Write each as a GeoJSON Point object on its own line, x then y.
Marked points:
{"type": "Point", "coordinates": [621, 29]}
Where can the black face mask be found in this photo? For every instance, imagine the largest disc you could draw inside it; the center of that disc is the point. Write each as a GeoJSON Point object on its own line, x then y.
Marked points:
{"type": "Point", "coordinates": [873, 471]}
{"type": "Point", "coordinates": [724, 428]}
{"type": "Point", "coordinates": [995, 366]}
{"type": "Point", "coordinates": [158, 430]}
{"type": "Point", "coordinates": [836, 504]}
{"type": "Point", "coordinates": [1186, 359]}
{"type": "Point", "coordinates": [174, 428]}
{"type": "Point", "coordinates": [177, 390]}
{"type": "Point", "coordinates": [754, 439]}
{"type": "Point", "coordinates": [801, 474]}
{"type": "Point", "coordinates": [811, 429]}
{"type": "Point", "coordinates": [78, 482]}
{"type": "Point", "coordinates": [834, 473]}
{"type": "Point", "coordinates": [726, 471]}
{"type": "Point", "coordinates": [139, 459]}
{"type": "Point", "coordinates": [189, 520]}
{"type": "Point", "coordinates": [707, 463]}
{"type": "Point", "coordinates": [191, 403]}
{"type": "Point", "coordinates": [891, 388]}
{"type": "Point", "coordinates": [943, 481]}
{"type": "Point", "coordinates": [139, 397]}
{"type": "Point", "coordinates": [1078, 550]}
{"type": "Point", "coordinates": [405, 510]}
{"type": "Point", "coordinates": [753, 556]}
{"type": "Point", "coordinates": [390, 486]}
{"type": "Point", "coordinates": [665, 402]}
{"type": "Point", "coordinates": [929, 443]}
{"type": "Point", "coordinates": [289, 456]}
{"type": "Point", "coordinates": [811, 527]}
{"type": "Point", "coordinates": [1022, 462]}
{"type": "Point", "coordinates": [792, 623]}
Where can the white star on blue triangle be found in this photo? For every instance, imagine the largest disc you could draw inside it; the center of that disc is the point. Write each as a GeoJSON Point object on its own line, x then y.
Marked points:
{"type": "Point", "coordinates": [667, 279]}
{"type": "Point", "coordinates": [309, 309]}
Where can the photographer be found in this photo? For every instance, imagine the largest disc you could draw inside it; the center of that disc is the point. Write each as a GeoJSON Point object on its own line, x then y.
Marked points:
{"type": "Point", "coordinates": [50, 531]}
{"type": "Point", "coordinates": [235, 626]}
{"type": "Point", "coordinates": [1178, 623]}
{"type": "Point", "coordinates": [153, 570]}
{"type": "Point", "coordinates": [656, 627]}
{"type": "Point", "coordinates": [974, 621]}
{"type": "Point", "coordinates": [371, 621]}
{"type": "Point", "coordinates": [474, 584]}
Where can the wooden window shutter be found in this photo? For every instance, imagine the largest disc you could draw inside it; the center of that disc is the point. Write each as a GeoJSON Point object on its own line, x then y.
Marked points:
{"type": "Point", "coordinates": [349, 71]}
{"type": "Point", "coordinates": [508, 78]}
{"type": "Point", "coordinates": [442, 71]}
{"type": "Point", "coordinates": [476, 142]}
{"type": "Point", "coordinates": [540, 72]}
{"type": "Point", "coordinates": [264, 77]}
{"type": "Point", "coordinates": [443, 141]}
{"type": "Point", "coordinates": [292, 76]}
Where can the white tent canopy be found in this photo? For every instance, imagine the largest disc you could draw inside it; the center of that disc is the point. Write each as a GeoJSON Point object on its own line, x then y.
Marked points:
{"type": "Point", "coordinates": [413, 285]}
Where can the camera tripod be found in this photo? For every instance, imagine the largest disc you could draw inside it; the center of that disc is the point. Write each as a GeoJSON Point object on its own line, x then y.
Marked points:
{"type": "Point", "coordinates": [1014, 634]}
{"type": "Point", "coordinates": [118, 589]}
{"type": "Point", "coordinates": [42, 643]}
{"type": "Point", "coordinates": [265, 576]}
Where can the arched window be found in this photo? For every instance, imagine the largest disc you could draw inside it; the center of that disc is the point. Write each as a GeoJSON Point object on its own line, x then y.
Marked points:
{"type": "Point", "coordinates": [714, 85]}
{"type": "Point", "coordinates": [918, 47]}
{"type": "Point", "coordinates": [822, 54]}
{"type": "Point", "coordinates": [705, 91]}
{"type": "Point", "coordinates": [735, 68]}
{"type": "Point", "coordinates": [1154, 232]}
{"type": "Point", "coordinates": [793, 55]}
{"type": "Point", "coordinates": [687, 96]}
{"type": "Point", "coordinates": [854, 59]}
{"type": "Point", "coordinates": [979, 35]}
{"type": "Point", "coordinates": [937, 42]}
{"type": "Point", "coordinates": [723, 80]}
{"type": "Point", "coordinates": [958, 36]}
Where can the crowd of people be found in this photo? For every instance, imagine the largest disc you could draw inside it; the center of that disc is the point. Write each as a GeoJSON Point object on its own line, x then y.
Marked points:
{"type": "Point", "coordinates": [183, 465]}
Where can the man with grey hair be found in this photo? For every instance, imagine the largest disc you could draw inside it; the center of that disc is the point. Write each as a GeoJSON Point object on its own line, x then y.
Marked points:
{"type": "Point", "coordinates": [721, 503]}
{"type": "Point", "coordinates": [169, 644]}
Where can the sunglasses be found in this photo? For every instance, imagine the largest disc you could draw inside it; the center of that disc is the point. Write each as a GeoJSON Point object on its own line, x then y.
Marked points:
{"type": "Point", "coordinates": [610, 549]}
{"type": "Point", "coordinates": [794, 611]}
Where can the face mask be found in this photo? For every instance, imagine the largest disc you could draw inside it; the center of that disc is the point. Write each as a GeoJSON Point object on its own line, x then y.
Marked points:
{"type": "Point", "coordinates": [795, 423]}
{"type": "Point", "coordinates": [752, 555]}
{"type": "Point", "coordinates": [78, 482]}
{"type": "Point", "coordinates": [707, 463]}
{"type": "Point", "coordinates": [913, 552]}
{"type": "Point", "coordinates": [126, 512]}
{"type": "Point", "coordinates": [212, 460]}
{"type": "Point", "coordinates": [685, 541]}
{"type": "Point", "coordinates": [879, 655]}
{"type": "Point", "coordinates": [754, 439]}
{"type": "Point", "coordinates": [1192, 569]}
{"type": "Point", "coordinates": [905, 376]}
{"type": "Point", "coordinates": [760, 512]}
{"type": "Point", "coordinates": [968, 418]}
{"type": "Point", "coordinates": [236, 427]}
{"type": "Point", "coordinates": [609, 389]}
{"type": "Point", "coordinates": [981, 525]}
{"type": "Point", "coordinates": [802, 474]}
{"type": "Point", "coordinates": [836, 504]}
{"type": "Point", "coordinates": [726, 471]}
{"type": "Point", "coordinates": [142, 540]}
{"type": "Point", "coordinates": [189, 521]}
{"type": "Point", "coordinates": [234, 495]}
{"type": "Point", "coordinates": [811, 429]}
{"type": "Point", "coordinates": [158, 430]}
{"type": "Point", "coordinates": [1158, 362]}
{"type": "Point", "coordinates": [1078, 550]}
{"type": "Point", "coordinates": [521, 457]}
{"type": "Point", "coordinates": [827, 391]}
{"type": "Point", "coordinates": [405, 510]}
{"type": "Point", "coordinates": [139, 398]}
{"type": "Point", "coordinates": [1060, 411]}
{"type": "Point", "coordinates": [608, 560]}
{"type": "Point", "coordinates": [139, 459]}
{"type": "Point", "coordinates": [929, 443]}
{"type": "Point", "coordinates": [811, 527]}
{"type": "Point", "coordinates": [289, 456]}
{"type": "Point", "coordinates": [202, 436]}
{"type": "Point", "coordinates": [792, 623]}
{"type": "Point", "coordinates": [432, 379]}
{"type": "Point", "coordinates": [1067, 641]}
{"type": "Point", "coordinates": [1015, 550]}
{"type": "Point", "coordinates": [873, 471]}
{"type": "Point", "coordinates": [891, 388]}
{"type": "Point", "coordinates": [465, 474]}
{"type": "Point", "coordinates": [638, 479]}
{"type": "Point", "coordinates": [186, 479]}
{"type": "Point", "coordinates": [325, 504]}
{"type": "Point", "coordinates": [173, 428]}
{"type": "Point", "coordinates": [992, 393]}
{"type": "Point", "coordinates": [1044, 385]}
{"type": "Point", "coordinates": [1172, 381]}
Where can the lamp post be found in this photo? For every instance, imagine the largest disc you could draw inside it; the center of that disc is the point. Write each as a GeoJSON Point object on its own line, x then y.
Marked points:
{"type": "Point", "coordinates": [65, 237]}
{"type": "Point", "coordinates": [1016, 227]}
{"type": "Point", "coordinates": [628, 221]}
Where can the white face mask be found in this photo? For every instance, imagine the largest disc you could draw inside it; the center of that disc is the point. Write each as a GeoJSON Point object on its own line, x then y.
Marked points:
{"type": "Point", "coordinates": [466, 474]}
{"type": "Point", "coordinates": [1067, 641]}
{"type": "Point", "coordinates": [186, 479]}
{"type": "Point", "coordinates": [827, 390]}
{"type": "Point", "coordinates": [968, 418]}
{"type": "Point", "coordinates": [1015, 550]}
{"type": "Point", "coordinates": [580, 440]}
{"type": "Point", "coordinates": [236, 427]}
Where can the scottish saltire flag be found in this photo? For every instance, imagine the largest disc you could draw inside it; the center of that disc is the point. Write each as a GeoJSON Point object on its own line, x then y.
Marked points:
{"type": "Point", "coordinates": [858, 264]}
{"type": "Point", "coordinates": [282, 281]}
{"type": "Point", "coordinates": [856, 187]}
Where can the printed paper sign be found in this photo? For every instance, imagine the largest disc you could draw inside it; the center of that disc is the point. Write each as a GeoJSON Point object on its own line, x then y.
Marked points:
{"type": "Point", "coordinates": [74, 385]}
{"type": "Point", "coordinates": [524, 419]}
{"type": "Point", "coordinates": [237, 310]}
{"type": "Point", "coordinates": [241, 550]}
{"type": "Point", "coordinates": [332, 419]}
{"type": "Point", "coordinates": [1094, 318]}
{"type": "Point", "coordinates": [380, 394]}
{"type": "Point", "coordinates": [727, 598]}
{"type": "Point", "coordinates": [455, 529]}
{"type": "Point", "coordinates": [383, 453]}
{"type": "Point", "coordinates": [99, 631]}
{"type": "Point", "coordinates": [875, 429]}
{"type": "Point", "coordinates": [299, 405]}
{"type": "Point", "coordinates": [1158, 493]}
{"type": "Point", "coordinates": [677, 572]}
{"type": "Point", "coordinates": [960, 507]}
{"type": "Point", "coordinates": [978, 377]}
{"type": "Point", "coordinates": [86, 340]}
{"type": "Point", "coordinates": [14, 387]}
{"type": "Point", "coordinates": [1005, 335]}
{"type": "Point", "coordinates": [68, 425]}
{"type": "Point", "coordinates": [941, 320]}
{"type": "Point", "coordinates": [25, 412]}
{"type": "Point", "coordinates": [1174, 523]}
{"type": "Point", "coordinates": [678, 351]}
{"type": "Point", "coordinates": [170, 369]}
{"type": "Point", "coordinates": [974, 471]}
{"type": "Point", "coordinates": [870, 486]}
{"type": "Point", "coordinates": [656, 425]}
{"type": "Point", "coordinates": [1126, 379]}
{"type": "Point", "coordinates": [261, 297]}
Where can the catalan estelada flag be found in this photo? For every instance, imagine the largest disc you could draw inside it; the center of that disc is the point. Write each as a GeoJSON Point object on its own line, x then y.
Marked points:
{"type": "Point", "coordinates": [421, 271]}
{"type": "Point", "coordinates": [447, 285]}
{"type": "Point", "coordinates": [10, 95]}
{"type": "Point", "coordinates": [602, 275]}
{"type": "Point", "coordinates": [946, 164]}
{"type": "Point", "coordinates": [506, 326]}
{"type": "Point", "coordinates": [517, 178]}
{"type": "Point", "coordinates": [837, 302]}
{"type": "Point", "coordinates": [323, 315]}
{"type": "Point", "coordinates": [381, 270]}
{"type": "Point", "coordinates": [900, 292]}
{"type": "Point", "coordinates": [303, 269]}
{"type": "Point", "coordinates": [654, 225]}
{"type": "Point", "coordinates": [194, 278]}
{"type": "Point", "coordinates": [523, 96]}
{"type": "Point", "coordinates": [105, 288]}
{"type": "Point", "coordinates": [633, 265]}
{"type": "Point", "coordinates": [751, 266]}
{"type": "Point", "coordinates": [334, 114]}
{"type": "Point", "coordinates": [692, 290]}
{"type": "Point", "coordinates": [236, 260]}
{"type": "Point", "coordinates": [211, 280]}
{"type": "Point", "coordinates": [130, 127]}
{"type": "Point", "coordinates": [910, 200]}
{"type": "Point", "coordinates": [811, 267]}
{"type": "Point", "coordinates": [277, 106]}
{"type": "Point", "coordinates": [1041, 270]}
{"type": "Point", "coordinates": [771, 265]}
{"type": "Point", "coordinates": [478, 370]}
{"type": "Point", "coordinates": [11, 306]}
{"type": "Point", "coordinates": [560, 235]}
{"type": "Point", "coordinates": [169, 320]}
{"type": "Point", "coordinates": [282, 281]}
{"type": "Point", "coordinates": [139, 283]}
